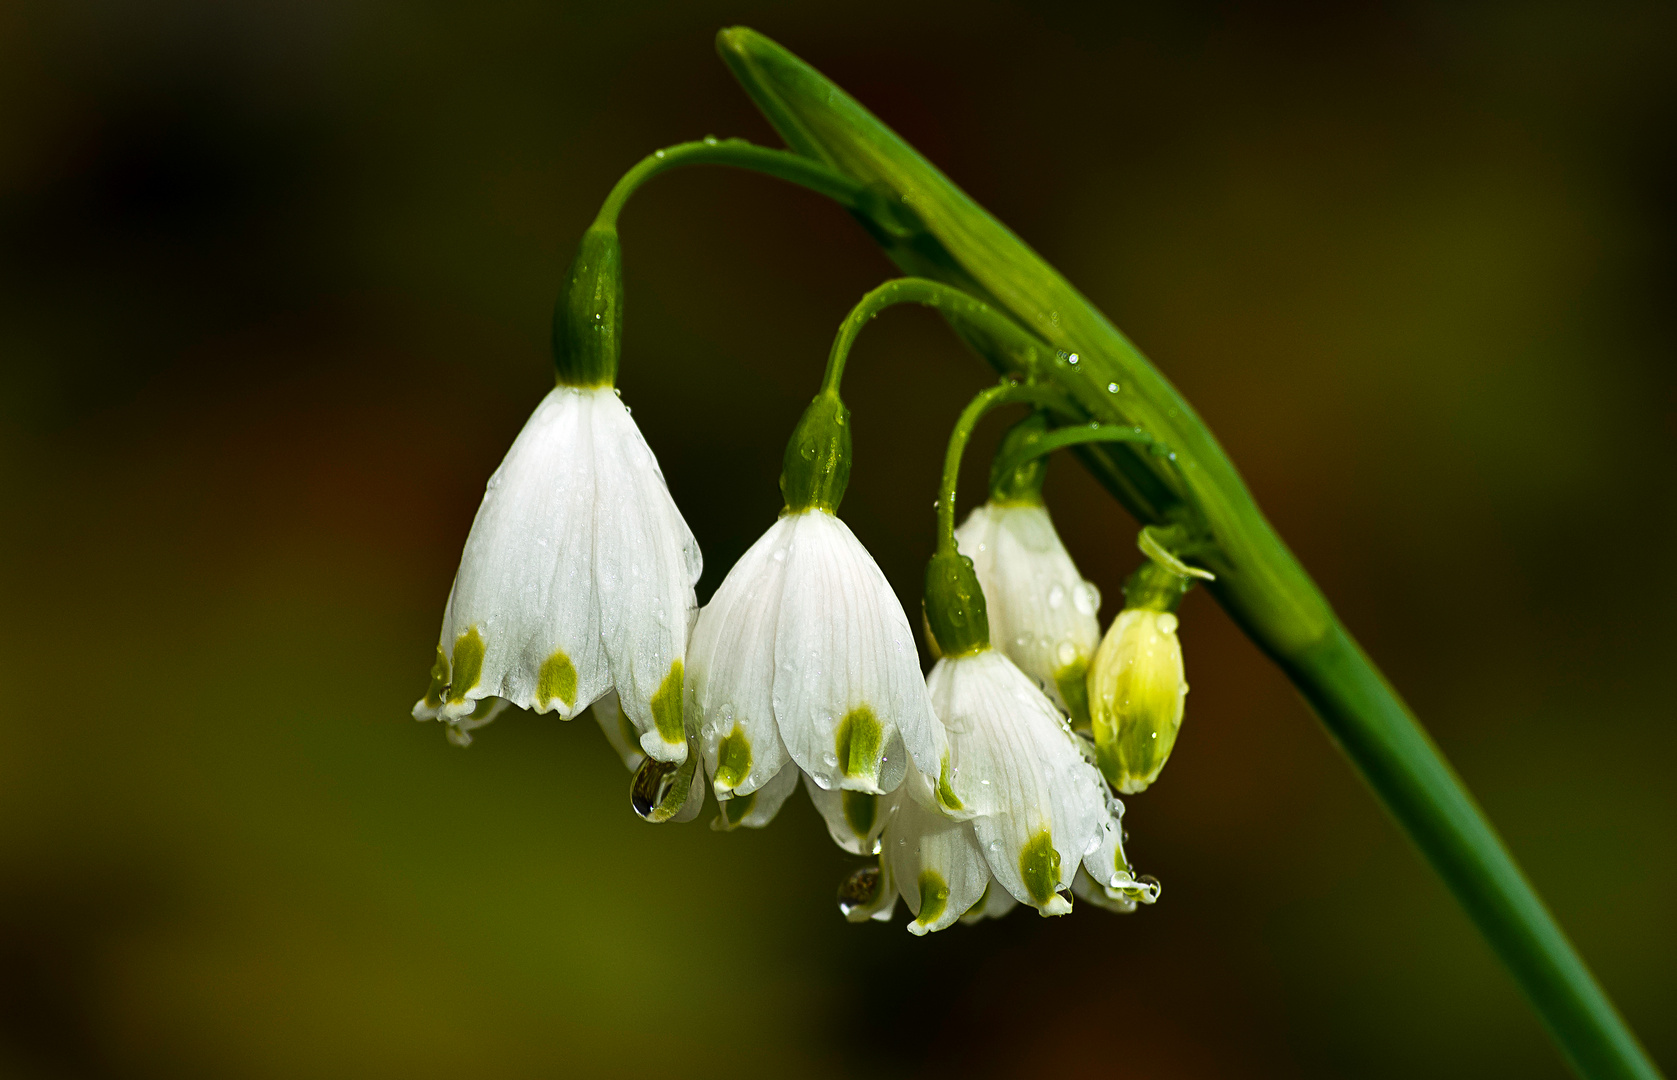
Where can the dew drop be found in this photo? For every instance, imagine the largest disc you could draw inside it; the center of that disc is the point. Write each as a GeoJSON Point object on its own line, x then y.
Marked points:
{"type": "Point", "coordinates": [1056, 596]}
{"type": "Point", "coordinates": [651, 786]}
{"type": "Point", "coordinates": [1067, 653]}
{"type": "Point", "coordinates": [1112, 388]}
{"type": "Point", "coordinates": [859, 890]}
{"type": "Point", "coordinates": [1086, 598]}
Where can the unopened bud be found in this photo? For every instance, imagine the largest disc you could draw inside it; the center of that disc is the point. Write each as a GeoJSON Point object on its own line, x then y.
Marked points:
{"type": "Point", "coordinates": [1137, 694]}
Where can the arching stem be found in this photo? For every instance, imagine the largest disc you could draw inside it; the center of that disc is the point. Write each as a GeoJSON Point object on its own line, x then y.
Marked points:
{"type": "Point", "coordinates": [1007, 393]}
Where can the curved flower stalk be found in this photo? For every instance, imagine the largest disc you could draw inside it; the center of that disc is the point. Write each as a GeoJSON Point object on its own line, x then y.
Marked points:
{"type": "Point", "coordinates": [804, 661]}
{"type": "Point", "coordinates": [1043, 614]}
{"type": "Point", "coordinates": [578, 573]}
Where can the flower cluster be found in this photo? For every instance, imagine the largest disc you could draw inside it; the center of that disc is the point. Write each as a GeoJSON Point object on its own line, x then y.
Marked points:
{"type": "Point", "coordinates": [985, 784]}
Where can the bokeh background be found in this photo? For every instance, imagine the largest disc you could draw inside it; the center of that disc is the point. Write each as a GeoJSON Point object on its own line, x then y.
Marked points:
{"type": "Point", "coordinates": [275, 280]}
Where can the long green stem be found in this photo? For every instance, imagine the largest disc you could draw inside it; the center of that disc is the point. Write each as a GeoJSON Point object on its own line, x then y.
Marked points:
{"type": "Point", "coordinates": [1259, 581]}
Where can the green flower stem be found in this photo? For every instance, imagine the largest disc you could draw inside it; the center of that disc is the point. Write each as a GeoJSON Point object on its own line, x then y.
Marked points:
{"type": "Point", "coordinates": [1259, 581]}
{"type": "Point", "coordinates": [1060, 438]}
{"type": "Point", "coordinates": [1008, 393]}
{"type": "Point", "coordinates": [992, 332]}
{"type": "Point", "coordinates": [740, 154]}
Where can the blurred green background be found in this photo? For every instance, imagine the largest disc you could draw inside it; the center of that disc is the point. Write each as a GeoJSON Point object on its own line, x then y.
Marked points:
{"type": "Point", "coordinates": [275, 280]}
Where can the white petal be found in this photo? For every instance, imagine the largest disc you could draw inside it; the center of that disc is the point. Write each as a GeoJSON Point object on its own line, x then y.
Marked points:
{"type": "Point", "coordinates": [1108, 871]}
{"type": "Point", "coordinates": [460, 730]}
{"type": "Point", "coordinates": [757, 809]}
{"type": "Point", "coordinates": [939, 870]}
{"type": "Point", "coordinates": [1017, 767]}
{"type": "Point", "coordinates": [730, 669]}
{"type": "Point", "coordinates": [854, 819]}
{"type": "Point", "coordinates": [847, 676]}
{"type": "Point", "coordinates": [645, 565]}
{"type": "Point", "coordinates": [1043, 614]}
{"type": "Point", "coordinates": [522, 621]}
{"type": "Point", "coordinates": [619, 732]}
{"type": "Point", "coordinates": [995, 903]}
{"type": "Point", "coordinates": [1087, 889]}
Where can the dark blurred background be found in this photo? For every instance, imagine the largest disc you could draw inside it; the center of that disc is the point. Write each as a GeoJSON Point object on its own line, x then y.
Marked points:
{"type": "Point", "coordinates": [275, 280]}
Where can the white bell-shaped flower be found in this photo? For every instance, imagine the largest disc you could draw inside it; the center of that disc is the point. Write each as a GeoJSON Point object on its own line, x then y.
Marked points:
{"type": "Point", "coordinates": [1016, 770]}
{"type": "Point", "coordinates": [804, 657]}
{"type": "Point", "coordinates": [941, 870]}
{"type": "Point", "coordinates": [1043, 614]}
{"type": "Point", "coordinates": [577, 578]}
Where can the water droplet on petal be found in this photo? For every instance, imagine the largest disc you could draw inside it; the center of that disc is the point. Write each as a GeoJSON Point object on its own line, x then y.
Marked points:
{"type": "Point", "coordinates": [1056, 596]}
{"type": "Point", "coordinates": [651, 786]}
{"type": "Point", "coordinates": [859, 890]}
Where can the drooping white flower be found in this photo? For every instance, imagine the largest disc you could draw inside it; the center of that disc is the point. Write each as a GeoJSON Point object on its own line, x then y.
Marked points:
{"type": "Point", "coordinates": [1042, 612]}
{"type": "Point", "coordinates": [804, 660]}
{"type": "Point", "coordinates": [1016, 770]}
{"type": "Point", "coordinates": [944, 873]}
{"type": "Point", "coordinates": [577, 578]}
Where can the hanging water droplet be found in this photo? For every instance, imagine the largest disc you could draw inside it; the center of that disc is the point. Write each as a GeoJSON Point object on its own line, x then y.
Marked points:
{"type": "Point", "coordinates": [859, 890]}
{"type": "Point", "coordinates": [651, 786]}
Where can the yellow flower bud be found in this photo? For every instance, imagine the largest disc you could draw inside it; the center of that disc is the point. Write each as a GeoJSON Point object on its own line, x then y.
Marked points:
{"type": "Point", "coordinates": [1136, 697]}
